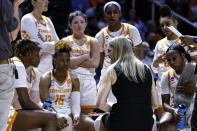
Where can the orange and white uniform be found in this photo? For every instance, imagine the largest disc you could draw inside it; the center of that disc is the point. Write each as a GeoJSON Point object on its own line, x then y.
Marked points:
{"type": "Point", "coordinates": [60, 94]}
{"type": "Point", "coordinates": [85, 75]}
{"type": "Point", "coordinates": [169, 82]}
{"type": "Point", "coordinates": [104, 36]}
{"type": "Point", "coordinates": [161, 48]}
{"type": "Point", "coordinates": [42, 32]}
{"type": "Point", "coordinates": [24, 80]}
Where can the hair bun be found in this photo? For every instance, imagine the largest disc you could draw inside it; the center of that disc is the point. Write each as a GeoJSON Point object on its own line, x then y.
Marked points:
{"type": "Point", "coordinates": [165, 11]}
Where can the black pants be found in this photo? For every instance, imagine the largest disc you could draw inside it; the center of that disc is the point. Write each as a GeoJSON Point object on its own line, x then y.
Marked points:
{"type": "Point", "coordinates": [106, 123]}
{"type": "Point", "coordinates": [194, 116]}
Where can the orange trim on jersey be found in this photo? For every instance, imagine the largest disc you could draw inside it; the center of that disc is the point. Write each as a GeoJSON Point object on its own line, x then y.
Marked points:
{"type": "Point", "coordinates": [120, 33]}
{"type": "Point", "coordinates": [34, 74]}
{"type": "Point", "coordinates": [39, 21]}
{"type": "Point", "coordinates": [90, 40]}
{"type": "Point", "coordinates": [63, 81]}
{"type": "Point", "coordinates": [175, 75]}
{"type": "Point", "coordinates": [36, 24]}
{"type": "Point", "coordinates": [10, 123]}
{"type": "Point", "coordinates": [169, 82]}
{"type": "Point", "coordinates": [78, 43]}
{"type": "Point", "coordinates": [89, 44]}
{"type": "Point", "coordinates": [128, 32]}
{"type": "Point", "coordinates": [176, 42]}
{"type": "Point", "coordinates": [103, 37]}
{"type": "Point", "coordinates": [161, 41]}
{"type": "Point", "coordinates": [16, 59]}
{"type": "Point", "coordinates": [25, 35]}
{"type": "Point", "coordinates": [88, 106]}
{"type": "Point", "coordinates": [47, 20]}
{"type": "Point", "coordinates": [99, 86]}
{"type": "Point", "coordinates": [187, 120]}
{"type": "Point", "coordinates": [28, 81]}
{"type": "Point", "coordinates": [23, 31]}
{"type": "Point", "coordinates": [165, 42]}
{"type": "Point", "coordinates": [160, 106]}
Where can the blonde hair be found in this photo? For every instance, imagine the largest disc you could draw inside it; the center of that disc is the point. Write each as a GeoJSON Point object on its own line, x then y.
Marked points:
{"type": "Point", "coordinates": [62, 47]}
{"type": "Point", "coordinates": [124, 56]}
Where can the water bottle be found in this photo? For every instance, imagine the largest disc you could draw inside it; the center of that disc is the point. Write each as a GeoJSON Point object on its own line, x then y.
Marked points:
{"type": "Point", "coordinates": [182, 111]}
{"type": "Point", "coordinates": [47, 105]}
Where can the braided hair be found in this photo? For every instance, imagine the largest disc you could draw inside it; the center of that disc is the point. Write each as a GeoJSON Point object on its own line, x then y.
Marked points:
{"type": "Point", "coordinates": [24, 46]}
{"type": "Point", "coordinates": [180, 49]}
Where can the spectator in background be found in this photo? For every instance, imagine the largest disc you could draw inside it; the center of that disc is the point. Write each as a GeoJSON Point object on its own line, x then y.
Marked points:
{"type": "Point", "coordinates": [101, 22]}
{"type": "Point", "coordinates": [81, 5]}
{"type": "Point", "coordinates": [147, 54]}
{"type": "Point", "coordinates": [192, 8]}
{"type": "Point", "coordinates": [152, 27]}
{"type": "Point", "coordinates": [58, 12]}
{"type": "Point", "coordinates": [133, 20]}
{"type": "Point", "coordinates": [9, 27]}
{"type": "Point", "coordinates": [95, 2]}
{"type": "Point", "coordinates": [179, 6]}
{"type": "Point", "coordinates": [91, 28]}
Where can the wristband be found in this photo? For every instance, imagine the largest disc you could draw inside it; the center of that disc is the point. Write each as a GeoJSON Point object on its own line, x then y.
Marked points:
{"type": "Point", "coordinates": [195, 40]}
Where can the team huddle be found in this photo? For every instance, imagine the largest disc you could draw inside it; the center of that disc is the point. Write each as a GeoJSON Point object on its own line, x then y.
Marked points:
{"type": "Point", "coordinates": [55, 87]}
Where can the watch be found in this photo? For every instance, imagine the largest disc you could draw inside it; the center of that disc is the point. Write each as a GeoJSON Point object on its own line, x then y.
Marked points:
{"type": "Point", "coordinates": [195, 40]}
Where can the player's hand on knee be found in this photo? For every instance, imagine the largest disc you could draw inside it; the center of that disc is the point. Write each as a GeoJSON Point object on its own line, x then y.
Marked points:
{"type": "Point", "coordinates": [61, 122]}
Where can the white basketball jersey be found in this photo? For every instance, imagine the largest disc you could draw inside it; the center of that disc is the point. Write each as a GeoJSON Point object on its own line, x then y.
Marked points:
{"type": "Point", "coordinates": [43, 28]}
{"type": "Point", "coordinates": [107, 36]}
{"type": "Point", "coordinates": [44, 32]}
{"type": "Point", "coordinates": [29, 80]}
{"type": "Point", "coordinates": [78, 50]}
{"type": "Point", "coordinates": [31, 77]}
{"type": "Point", "coordinates": [172, 83]}
{"type": "Point", "coordinates": [161, 48]}
{"type": "Point", "coordinates": [60, 94]}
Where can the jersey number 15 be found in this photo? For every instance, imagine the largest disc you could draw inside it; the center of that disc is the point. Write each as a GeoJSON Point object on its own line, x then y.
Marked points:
{"type": "Point", "coordinates": [59, 99]}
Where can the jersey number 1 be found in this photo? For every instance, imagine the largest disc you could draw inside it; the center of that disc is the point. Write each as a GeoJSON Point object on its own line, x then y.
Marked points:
{"type": "Point", "coordinates": [59, 99]}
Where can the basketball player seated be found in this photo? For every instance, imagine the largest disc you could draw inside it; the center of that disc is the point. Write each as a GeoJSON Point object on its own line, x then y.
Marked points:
{"type": "Point", "coordinates": [29, 115]}
{"type": "Point", "coordinates": [62, 87]}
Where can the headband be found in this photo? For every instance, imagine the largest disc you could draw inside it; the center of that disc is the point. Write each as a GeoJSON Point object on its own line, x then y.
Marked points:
{"type": "Point", "coordinates": [112, 3]}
